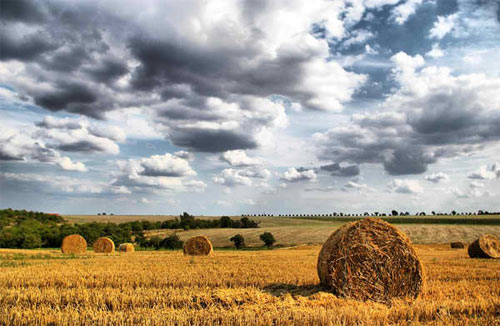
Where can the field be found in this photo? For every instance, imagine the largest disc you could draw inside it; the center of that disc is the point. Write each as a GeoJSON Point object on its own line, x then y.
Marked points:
{"type": "Point", "coordinates": [270, 287]}
{"type": "Point", "coordinates": [295, 231]}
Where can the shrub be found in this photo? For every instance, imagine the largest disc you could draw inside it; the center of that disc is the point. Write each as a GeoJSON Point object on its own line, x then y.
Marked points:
{"type": "Point", "coordinates": [238, 240]}
{"type": "Point", "coordinates": [268, 239]}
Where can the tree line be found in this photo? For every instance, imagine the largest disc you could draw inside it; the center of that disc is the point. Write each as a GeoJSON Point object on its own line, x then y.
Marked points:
{"type": "Point", "coordinates": [29, 229]}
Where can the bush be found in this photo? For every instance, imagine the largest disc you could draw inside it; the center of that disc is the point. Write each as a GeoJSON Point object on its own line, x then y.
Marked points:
{"type": "Point", "coordinates": [238, 240]}
{"type": "Point", "coordinates": [172, 242]}
{"type": "Point", "coordinates": [268, 239]}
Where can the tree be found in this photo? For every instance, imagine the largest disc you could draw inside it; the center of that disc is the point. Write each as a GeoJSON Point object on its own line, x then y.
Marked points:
{"type": "Point", "coordinates": [238, 240]}
{"type": "Point", "coordinates": [172, 242]}
{"type": "Point", "coordinates": [394, 212]}
{"type": "Point", "coordinates": [268, 239]}
{"type": "Point", "coordinates": [225, 222]}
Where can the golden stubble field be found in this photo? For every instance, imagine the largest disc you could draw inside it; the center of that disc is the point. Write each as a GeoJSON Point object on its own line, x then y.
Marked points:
{"type": "Point", "coordinates": [270, 287]}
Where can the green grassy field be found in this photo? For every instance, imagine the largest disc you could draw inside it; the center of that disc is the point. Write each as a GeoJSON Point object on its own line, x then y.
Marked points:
{"type": "Point", "coordinates": [297, 231]}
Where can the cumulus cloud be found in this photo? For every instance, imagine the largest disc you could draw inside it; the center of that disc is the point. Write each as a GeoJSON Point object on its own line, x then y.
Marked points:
{"type": "Point", "coordinates": [443, 26]}
{"type": "Point", "coordinates": [434, 114]}
{"type": "Point", "coordinates": [341, 171]}
{"type": "Point", "coordinates": [238, 158]}
{"type": "Point", "coordinates": [402, 12]}
{"type": "Point", "coordinates": [79, 135]}
{"type": "Point", "coordinates": [485, 173]}
{"type": "Point", "coordinates": [437, 177]}
{"type": "Point", "coordinates": [157, 172]}
{"type": "Point", "coordinates": [234, 177]}
{"type": "Point", "coordinates": [405, 186]}
{"type": "Point", "coordinates": [17, 146]}
{"type": "Point", "coordinates": [295, 175]}
{"type": "Point", "coordinates": [352, 185]}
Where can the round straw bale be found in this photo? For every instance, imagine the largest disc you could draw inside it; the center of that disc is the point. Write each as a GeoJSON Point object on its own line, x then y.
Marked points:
{"type": "Point", "coordinates": [370, 260]}
{"type": "Point", "coordinates": [126, 247]}
{"type": "Point", "coordinates": [487, 246]}
{"type": "Point", "coordinates": [457, 245]}
{"type": "Point", "coordinates": [198, 246]}
{"type": "Point", "coordinates": [104, 244]}
{"type": "Point", "coordinates": [74, 244]}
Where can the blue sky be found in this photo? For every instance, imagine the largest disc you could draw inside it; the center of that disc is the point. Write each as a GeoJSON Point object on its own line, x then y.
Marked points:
{"type": "Point", "coordinates": [217, 107]}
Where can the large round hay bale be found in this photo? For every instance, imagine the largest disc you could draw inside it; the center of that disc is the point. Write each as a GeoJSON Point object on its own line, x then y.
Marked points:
{"type": "Point", "coordinates": [74, 244]}
{"type": "Point", "coordinates": [198, 246]}
{"type": "Point", "coordinates": [370, 260]}
{"type": "Point", "coordinates": [457, 245]}
{"type": "Point", "coordinates": [487, 246]}
{"type": "Point", "coordinates": [104, 244]}
{"type": "Point", "coordinates": [126, 247]}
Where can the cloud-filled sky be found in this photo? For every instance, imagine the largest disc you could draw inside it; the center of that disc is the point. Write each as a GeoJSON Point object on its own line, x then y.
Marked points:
{"type": "Point", "coordinates": [231, 107]}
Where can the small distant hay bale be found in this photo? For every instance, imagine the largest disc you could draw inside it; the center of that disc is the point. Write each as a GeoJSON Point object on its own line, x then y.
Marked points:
{"type": "Point", "coordinates": [104, 245]}
{"type": "Point", "coordinates": [457, 245]}
{"type": "Point", "coordinates": [487, 246]}
{"type": "Point", "coordinates": [198, 246]}
{"type": "Point", "coordinates": [74, 244]}
{"type": "Point", "coordinates": [370, 260]}
{"type": "Point", "coordinates": [126, 247]}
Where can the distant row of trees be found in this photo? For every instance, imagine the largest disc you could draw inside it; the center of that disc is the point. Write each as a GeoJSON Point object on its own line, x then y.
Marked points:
{"type": "Point", "coordinates": [374, 214]}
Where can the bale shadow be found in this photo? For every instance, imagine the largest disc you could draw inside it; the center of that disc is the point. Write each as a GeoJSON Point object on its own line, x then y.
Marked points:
{"type": "Point", "coordinates": [280, 289]}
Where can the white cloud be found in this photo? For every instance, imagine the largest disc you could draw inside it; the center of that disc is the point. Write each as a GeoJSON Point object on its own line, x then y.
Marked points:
{"type": "Point", "coordinates": [233, 177]}
{"type": "Point", "coordinates": [485, 173]}
{"type": "Point", "coordinates": [435, 52]}
{"type": "Point", "coordinates": [402, 12]}
{"type": "Point", "coordinates": [351, 185]}
{"type": "Point", "coordinates": [443, 26]}
{"type": "Point", "coordinates": [239, 158]}
{"type": "Point", "coordinates": [166, 171]}
{"type": "Point", "coordinates": [18, 146]}
{"type": "Point", "coordinates": [165, 165]}
{"type": "Point", "coordinates": [437, 177]}
{"type": "Point", "coordinates": [292, 175]}
{"type": "Point", "coordinates": [405, 186]}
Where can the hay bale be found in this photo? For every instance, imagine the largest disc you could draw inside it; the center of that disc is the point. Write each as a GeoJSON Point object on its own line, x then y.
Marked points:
{"type": "Point", "coordinates": [74, 244]}
{"type": "Point", "coordinates": [104, 244]}
{"type": "Point", "coordinates": [370, 260]}
{"type": "Point", "coordinates": [487, 246]}
{"type": "Point", "coordinates": [126, 247]}
{"type": "Point", "coordinates": [198, 246]}
{"type": "Point", "coordinates": [457, 245]}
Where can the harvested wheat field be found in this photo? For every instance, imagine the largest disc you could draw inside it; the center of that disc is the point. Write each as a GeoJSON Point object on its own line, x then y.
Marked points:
{"type": "Point", "coordinates": [269, 287]}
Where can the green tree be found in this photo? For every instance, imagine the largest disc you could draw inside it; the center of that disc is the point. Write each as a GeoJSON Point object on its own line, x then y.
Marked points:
{"type": "Point", "coordinates": [225, 222]}
{"type": "Point", "coordinates": [238, 240]}
{"type": "Point", "coordinates": [268, 239]}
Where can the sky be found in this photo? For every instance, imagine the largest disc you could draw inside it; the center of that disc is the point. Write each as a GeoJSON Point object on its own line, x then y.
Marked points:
{"type": "Point", "coordinates": [244, 107]}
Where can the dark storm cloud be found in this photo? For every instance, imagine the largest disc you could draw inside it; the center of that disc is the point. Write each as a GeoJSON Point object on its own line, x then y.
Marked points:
{"type": "Point", "coordinates": [80, 146]}
{"type": "Point", "coordinates": [26, 48]}
{"type": "Point", "coordinates": [201, 140]}
{"type": "Point", "coordinates": [67, 94]}
{"type": "Point", "coordinates": [108, 71]}
{"type": "Point", "coordinates": [341, 171]}
{"type": "Point", "coordinates": [22, 10]}
{"type": "Point", "coordinates": [408, 161]}
{"type": "Point", "coordinates": [67, 60]}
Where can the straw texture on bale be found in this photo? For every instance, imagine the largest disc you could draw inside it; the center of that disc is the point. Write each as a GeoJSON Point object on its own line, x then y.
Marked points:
{"type": "Point", "coordinates": [370, 260]}
{"type": "Point", "coordinates": [74, 244]}
{"type": "Point", "coordinates": [487, 246]}
{"type": "Point", "coordinates": [198, 246]}
{"type": "Point", "coordinates": [457, 245]}
{"type": "Point", "coordinates": [126, 247]}
{"type": "Point", "coordinates": [105, 245]}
